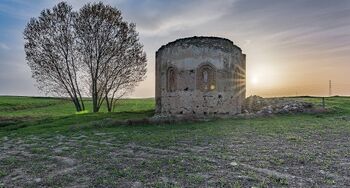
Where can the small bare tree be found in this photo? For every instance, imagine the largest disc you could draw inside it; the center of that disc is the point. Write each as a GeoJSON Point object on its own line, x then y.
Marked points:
{"type": "Point", "coordinates": [111, 52]}
{"type": "Point", "coordinates": [51, 54]}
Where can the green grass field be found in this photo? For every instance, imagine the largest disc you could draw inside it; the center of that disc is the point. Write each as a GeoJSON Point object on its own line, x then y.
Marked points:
{"type": "Point", "coordinates": [43, 142]}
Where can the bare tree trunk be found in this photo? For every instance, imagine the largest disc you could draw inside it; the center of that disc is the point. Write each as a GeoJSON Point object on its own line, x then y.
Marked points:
{"type": "Point", "coordinates": [82, 102]}
{"type": "Point", "coordinates": [94, 99]}
{"type": "Point", "coordinates": [109, 104]}
{"type": "Point", "coordinates": [77, 104]}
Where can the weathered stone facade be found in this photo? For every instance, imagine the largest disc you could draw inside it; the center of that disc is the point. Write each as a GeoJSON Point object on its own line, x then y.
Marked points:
{"type": "Point", "coordinates": [200, 76]}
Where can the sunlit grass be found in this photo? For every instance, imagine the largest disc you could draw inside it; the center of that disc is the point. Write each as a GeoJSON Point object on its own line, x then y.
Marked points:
{"type": "Point", "coordinates": [82, 112]}
{"type": "Point", "coordinates": [54, 114]}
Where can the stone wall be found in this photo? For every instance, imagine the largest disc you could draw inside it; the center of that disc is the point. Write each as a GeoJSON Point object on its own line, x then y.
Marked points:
{"type": "Point", "coordinates": [200, 76]}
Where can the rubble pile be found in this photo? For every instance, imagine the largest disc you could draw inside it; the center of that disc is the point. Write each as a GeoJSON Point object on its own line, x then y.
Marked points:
{"type": "Point", "coordinates": [258, 105]}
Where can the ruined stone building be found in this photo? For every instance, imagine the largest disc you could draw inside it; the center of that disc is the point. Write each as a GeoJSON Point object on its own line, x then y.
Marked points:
{"type": "Point", "coordinates": [200, 76]}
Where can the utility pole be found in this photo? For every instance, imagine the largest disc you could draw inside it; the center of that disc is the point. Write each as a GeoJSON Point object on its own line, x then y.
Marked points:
{"type": "Point", "coordinates": [330, 87]}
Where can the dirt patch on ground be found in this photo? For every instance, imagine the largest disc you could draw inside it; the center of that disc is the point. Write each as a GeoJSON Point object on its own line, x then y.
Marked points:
{"type": "Point", "coordinates": [102, 159]}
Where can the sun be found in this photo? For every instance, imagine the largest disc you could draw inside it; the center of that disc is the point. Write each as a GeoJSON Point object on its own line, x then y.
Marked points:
{"type": "Point", "coordinates": [255, 80]}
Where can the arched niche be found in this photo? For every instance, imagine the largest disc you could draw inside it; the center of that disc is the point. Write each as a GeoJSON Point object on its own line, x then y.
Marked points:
{"type": "Point", "coordinates": [206, 77]}
{"type": "Point", "coordinates": [171, 79]}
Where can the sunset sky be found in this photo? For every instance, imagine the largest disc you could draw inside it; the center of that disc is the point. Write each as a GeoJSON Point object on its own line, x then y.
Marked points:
{"type": "Point", "coordinates": [293, 47]}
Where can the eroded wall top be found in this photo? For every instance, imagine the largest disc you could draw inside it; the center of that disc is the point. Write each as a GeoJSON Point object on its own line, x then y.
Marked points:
{"type": "Point", "coordinates": [223, 44]}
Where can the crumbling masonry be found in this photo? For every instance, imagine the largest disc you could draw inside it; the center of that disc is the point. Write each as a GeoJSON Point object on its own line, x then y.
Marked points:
{"type": "Point", "coordinates": [200, 76]}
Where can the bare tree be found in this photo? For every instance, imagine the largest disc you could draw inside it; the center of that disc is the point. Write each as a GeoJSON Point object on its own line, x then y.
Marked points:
{"type": "Point", "coordinates": [94, 44]}
{"type": "Point", "coordinates": [125, 70]}
{"type": "Point", "coordinates": [113, 57]}
{"type": "Point", "coordinates": [51, 54]}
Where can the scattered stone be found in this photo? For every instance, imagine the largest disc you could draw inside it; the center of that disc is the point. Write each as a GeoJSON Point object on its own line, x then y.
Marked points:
{"type": "Point", "coordinates": [60, 137]}
{"type": "Point", "coordinates": [100, 134]}
{"type": "Point", "coordinates": [137, 185]}
{"type": "Point", "coordinates": [270, 172]}
{"type": "Point", "coordinates": [168, 180]}
{"type": "Point", "coordinates": [65, 160]}
{"type": "Point", "coordinates": [265, 106]}
{"type": "Point", "coordinates": [80, 137]}
{"type": "Point", "coordinates": [60, 149]}
{"type": "Point", "coordinates": [346, 118]}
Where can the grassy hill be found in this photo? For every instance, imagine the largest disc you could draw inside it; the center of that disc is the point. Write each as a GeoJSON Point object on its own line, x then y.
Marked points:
{"type": "Point", "coordinates": [43, 142]}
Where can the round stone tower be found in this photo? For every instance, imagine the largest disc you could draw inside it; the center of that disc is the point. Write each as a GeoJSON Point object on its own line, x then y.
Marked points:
{"type": "Point", "coordinates": [200, 76]}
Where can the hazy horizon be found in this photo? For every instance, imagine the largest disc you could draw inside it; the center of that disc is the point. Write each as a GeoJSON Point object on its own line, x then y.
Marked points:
{"type": "Point", "coordinates": [293, 47]}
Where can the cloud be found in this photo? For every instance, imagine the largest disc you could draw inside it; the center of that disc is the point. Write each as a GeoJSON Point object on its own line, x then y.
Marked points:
{"type": "Point", "coordinates": [283, 34]}
{"type": "Point", "coordinates": [190, 18]}
{"type": "Point", "coordinates": [161, 18]}
{"type": "Point", "coordinates": [3, 46]}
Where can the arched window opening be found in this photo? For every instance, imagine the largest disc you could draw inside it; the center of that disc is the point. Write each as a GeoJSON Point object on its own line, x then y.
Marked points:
{"type": "Point", "coordinates": [206, 80]}
{"type": "Point", "coordinates": [205, 77]}
{"type": "Point", "coordinates": [171, 80]}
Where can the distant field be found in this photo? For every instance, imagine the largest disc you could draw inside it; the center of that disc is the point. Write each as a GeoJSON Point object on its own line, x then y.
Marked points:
{"type": "Point", "coordinates": [43, 142]}
{"type": "Point", "coordinates": [11, 106]}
